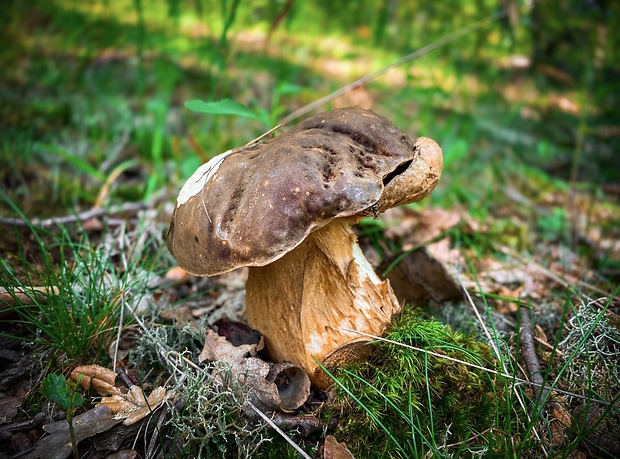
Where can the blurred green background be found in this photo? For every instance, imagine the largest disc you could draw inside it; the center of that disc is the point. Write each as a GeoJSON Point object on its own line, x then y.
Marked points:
{"type": "Point", "coordinates": [92, 93]}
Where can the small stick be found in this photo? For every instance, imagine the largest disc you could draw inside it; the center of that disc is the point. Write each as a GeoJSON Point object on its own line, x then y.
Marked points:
{"type": "Point", "coordinates": [80, 217]}
{"type": "Point", "coordinates": [26, 297]}
{"type": "Point", "coordinates": [528, 352]}
{"type": "Point", "coordinates": [272, 424]}
{"type": "Point", "coordinates": [549, 346]}
{"type": "Point", "coordinates": [24, 426]}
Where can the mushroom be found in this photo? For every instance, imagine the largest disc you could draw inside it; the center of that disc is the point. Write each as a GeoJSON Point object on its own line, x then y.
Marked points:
{"type": "Point", "coordinates": [284, 208]}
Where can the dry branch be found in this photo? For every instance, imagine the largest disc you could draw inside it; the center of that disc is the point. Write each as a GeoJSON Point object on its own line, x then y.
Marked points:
{"type": "Point", "coordinates": [129, 207]}
{"type": "Point", "coordinates": [528, 351]}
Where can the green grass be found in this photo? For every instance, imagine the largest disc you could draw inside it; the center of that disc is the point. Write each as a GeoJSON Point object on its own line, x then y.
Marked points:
{"type": "Point", "coordinates": [88, 288]}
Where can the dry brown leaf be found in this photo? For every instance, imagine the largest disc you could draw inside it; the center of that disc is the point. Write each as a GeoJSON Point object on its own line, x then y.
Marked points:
{"type": "Point", "coordinates": [335, 450]}
{"type": "Point", "coordinates": [219, 348]}
{"type": "Point", "coordinates": [561, 421]}
{"type": "Point", "coordinates": [96, 377]}
{"type": "Point", "coordinates": [507, 306]}
{"type": "Point", "coordinates": [559, 412]}
{"type": "Point", "coordinates": [293, 386]}
{"type": "Point", "coordinates": [133, 406]}
{"type": "Point", "coordinates": [415, 228]}
{"type": "Point", "coordinates": [444, 253]}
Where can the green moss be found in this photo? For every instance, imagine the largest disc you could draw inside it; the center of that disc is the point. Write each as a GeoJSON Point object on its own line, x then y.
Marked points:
{"type": "Point", "coordinates": [405, 402]}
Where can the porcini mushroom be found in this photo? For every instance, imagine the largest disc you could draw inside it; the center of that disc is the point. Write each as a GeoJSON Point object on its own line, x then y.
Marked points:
{"type": "Point", "coordinates": [284, 208]}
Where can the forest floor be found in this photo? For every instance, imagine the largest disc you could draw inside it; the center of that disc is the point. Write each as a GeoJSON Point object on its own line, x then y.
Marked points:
{"type": "Point", "coordinates": [518, 248]}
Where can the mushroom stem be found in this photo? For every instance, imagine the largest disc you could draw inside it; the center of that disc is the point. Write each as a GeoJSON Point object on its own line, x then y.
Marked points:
{"type": "Point", "coordinates": [302, 302]}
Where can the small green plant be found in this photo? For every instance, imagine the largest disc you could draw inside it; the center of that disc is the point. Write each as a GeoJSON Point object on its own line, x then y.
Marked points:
{"type": "Point", "coordinates": [230, 107]}
{"type": "Point", "coordinates": [64, 393]}
{"type": "Point", "coordinates": [220, 107]}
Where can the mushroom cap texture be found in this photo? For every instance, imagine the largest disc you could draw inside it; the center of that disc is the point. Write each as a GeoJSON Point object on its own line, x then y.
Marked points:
{"type": "Point", "coordinates": [264, 200]}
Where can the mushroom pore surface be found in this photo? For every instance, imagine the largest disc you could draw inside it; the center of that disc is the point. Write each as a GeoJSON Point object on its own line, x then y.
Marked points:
{"type": "Point", "coordinates": [262, 201]}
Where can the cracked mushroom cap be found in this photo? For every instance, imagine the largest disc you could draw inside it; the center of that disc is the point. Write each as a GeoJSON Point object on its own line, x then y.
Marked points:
{"type": "Point", "coordinates": [251, 206]}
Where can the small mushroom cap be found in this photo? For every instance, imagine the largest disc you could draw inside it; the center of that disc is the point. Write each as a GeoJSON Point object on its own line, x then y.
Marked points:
{"type": "Point", "coordinates": [251, 206]}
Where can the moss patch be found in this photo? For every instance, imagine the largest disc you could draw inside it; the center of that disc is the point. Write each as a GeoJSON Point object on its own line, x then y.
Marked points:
{"type": "Point", "coordinates": [406, 403]}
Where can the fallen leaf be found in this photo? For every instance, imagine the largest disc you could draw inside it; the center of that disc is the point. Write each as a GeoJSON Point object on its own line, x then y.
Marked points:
{"type": "Point", "coordinates": [282, 387]}
{"type": "Point", "coordinates": [510, 302]}
{"type": "Point", "coordinates": [238, 333]}
{"type": "Point", "coordinates": [27, 296]}
{"type": "Point", "coordinates": [133, 406]}
{"type": "Point", "coordinates": [334, 450]}
{"type": "Point", "coordinates": [219, 348]}
{"type": "Point", "coordinates": [96, 377]}
{"type": "Point", "coordinates": [418, 228]}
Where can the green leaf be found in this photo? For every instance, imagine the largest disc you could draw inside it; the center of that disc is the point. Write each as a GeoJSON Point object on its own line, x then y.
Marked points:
{"type": "Point", "coordinates": [288, 88]}
{"type": "Point", "coordinates": [81, 164]}
{"type": "Point", "coordinates": [220, 107]}
{"type": "Point", "coordinates": [55, 388]}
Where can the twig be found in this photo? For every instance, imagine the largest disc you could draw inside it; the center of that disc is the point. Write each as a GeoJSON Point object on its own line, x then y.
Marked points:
{"type": "Point", "coordinates": [549, 346]}
{"type": "Point", "coordinates": [528, 352]}
{"type": "Point", "coordinates": [25, 426]}
{"type": "Point", "coordinates": [276, 22]}
{"type": "Point", "coordinates": [185, 359]}
{"type": "Point", "coordinates": [265, 418]}
{"type": "Point", "coordinates": [122, 373]}
{"type": "Point", "coordinates": [304, 424]}
{"type": "Point", "coordinates": [79, 217]}
{"type": "Point", "coordinates": [28, 296]}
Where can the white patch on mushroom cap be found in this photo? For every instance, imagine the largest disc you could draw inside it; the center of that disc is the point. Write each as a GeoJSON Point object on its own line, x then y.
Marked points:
{"type": "Point", "coordinates": [199, 179]}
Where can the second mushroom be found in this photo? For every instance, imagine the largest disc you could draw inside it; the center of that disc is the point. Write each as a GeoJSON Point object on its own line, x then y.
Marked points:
{"type": "Point", "coordinates": [284, 208]}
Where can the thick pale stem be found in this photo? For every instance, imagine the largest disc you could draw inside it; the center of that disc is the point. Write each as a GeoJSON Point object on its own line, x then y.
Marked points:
{"type": "Point", "coordinates": [303, 302]}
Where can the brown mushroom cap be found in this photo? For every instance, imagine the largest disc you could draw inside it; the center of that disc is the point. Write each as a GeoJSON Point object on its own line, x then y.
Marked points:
{"type": "Point", "coordinates": [262, 202]}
